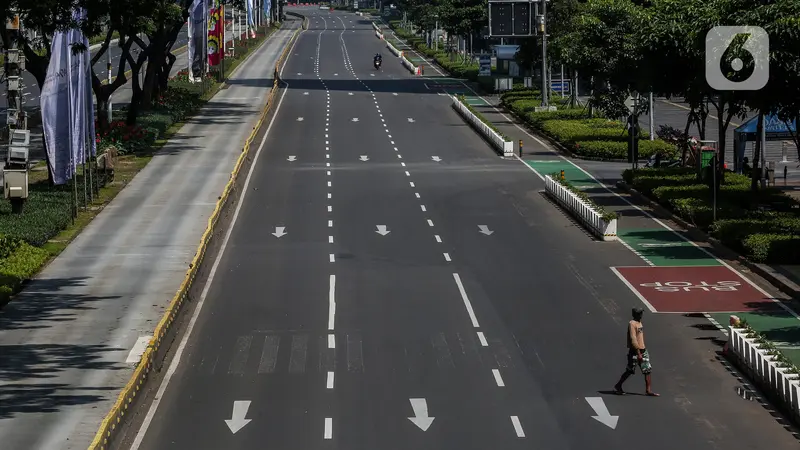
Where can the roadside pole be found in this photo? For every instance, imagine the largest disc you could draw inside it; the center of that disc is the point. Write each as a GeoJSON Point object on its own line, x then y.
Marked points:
{"type": "Point", "coordinates": [543, 30]}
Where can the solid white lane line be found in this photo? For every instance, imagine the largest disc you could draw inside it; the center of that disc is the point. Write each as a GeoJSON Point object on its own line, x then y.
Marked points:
{"type": "Point", "coordinates": [329, 383]}
{"type": "Point", "coordinates": [482, 339]}
{"type": "Point", "coordinates": [332, 259]}
{"type": "Point", "coordinates": [497, 378]}
{"type": "Point", "coordinates": [138, 349]}
{"type": "Point", "coordinates": [438, 239]}
{"type": "Point", "coordinates": [330, 239]}
{"type": "Point", "coordinates": [467, 303]}
{"type": "Point", "coordinates": [328, 428]}
{"type": "Point", "coordinates": [517, 426]}
{"type": "Point", "coordinates": [332, 301]}
{"type": "Point", "coordinates": [204, 293]}
{"type": "Point", "coordinates": [430, 223]}
{"type": "Point", "coordinates": [447, 257]}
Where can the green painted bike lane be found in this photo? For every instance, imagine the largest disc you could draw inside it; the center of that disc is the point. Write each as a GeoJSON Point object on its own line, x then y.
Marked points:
{"type": "Point", "coordinates": [681, 277]}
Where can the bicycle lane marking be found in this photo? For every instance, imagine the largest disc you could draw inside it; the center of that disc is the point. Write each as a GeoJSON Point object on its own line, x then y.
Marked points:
{"type": "Point", "coordinates": [675, 236]}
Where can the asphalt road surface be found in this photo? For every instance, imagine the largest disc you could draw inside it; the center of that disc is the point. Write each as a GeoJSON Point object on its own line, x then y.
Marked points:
{"type": "Point", "coordinates": [390, 283]}
{"type": "Point", "coordinates": [69, 342]}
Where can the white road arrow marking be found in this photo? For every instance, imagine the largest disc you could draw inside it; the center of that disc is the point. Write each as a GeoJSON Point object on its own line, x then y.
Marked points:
{"type": "Point", "coordinates": [354, 119]}
{"type": "Point", "coordinates": [292, 158]}
{"type": "Point", "coordinates": [364, 158]}
{"type": "Point", "coordinates": [410, 120]}
{"type": "Point", "coordinates": [603, 416]}
{"type": "Point", "coordinates": [436, 158]}
{"type": "Point", "coordinates": [485, 230]}
{"type": "Point", "coordinates": [237, 420]}
{"type": "Point", "coordinates": [279, 232]}
{"type": "Point", "coordinates": [299, 119]}
{"type": "Point", "coordinates": [382, 230]}
{"type": "Point", "coordinates": [420, 419]}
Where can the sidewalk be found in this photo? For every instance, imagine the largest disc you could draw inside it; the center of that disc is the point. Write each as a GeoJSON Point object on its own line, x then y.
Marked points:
{"type": "Point", "coordinates": [66, 341]}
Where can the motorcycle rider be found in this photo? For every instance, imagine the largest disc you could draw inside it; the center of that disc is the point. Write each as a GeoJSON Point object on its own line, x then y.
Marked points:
{"type": "Point", "coordinates": [378, 59]}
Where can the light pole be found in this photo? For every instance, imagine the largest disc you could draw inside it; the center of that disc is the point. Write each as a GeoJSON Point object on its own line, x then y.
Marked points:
{"type": "Point", "coordinates": [543, 30]}
{"type": "Point", "coordinates": [436, 33]}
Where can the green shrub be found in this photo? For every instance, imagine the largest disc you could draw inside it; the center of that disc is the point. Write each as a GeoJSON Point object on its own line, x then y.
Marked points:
{"type": "Point", "coordinates": [773, 248]}
{"type": "Point", "coordinates": [18, 266]}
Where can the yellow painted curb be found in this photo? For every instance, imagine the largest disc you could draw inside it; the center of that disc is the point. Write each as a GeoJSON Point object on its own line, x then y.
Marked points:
{"type": "Point", "coordinates": [115, 416]}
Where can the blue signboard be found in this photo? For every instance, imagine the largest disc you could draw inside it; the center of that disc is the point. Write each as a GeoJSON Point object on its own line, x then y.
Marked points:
{"type": "Point", "coordinates": [560, 86]}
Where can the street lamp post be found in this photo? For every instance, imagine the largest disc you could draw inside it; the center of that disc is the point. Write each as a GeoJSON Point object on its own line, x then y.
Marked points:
{"type": "Point", "coordinates": [543, 30]}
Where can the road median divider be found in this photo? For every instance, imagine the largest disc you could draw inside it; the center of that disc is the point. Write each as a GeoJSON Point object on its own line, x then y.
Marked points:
{"type": "Point", "coordinates": [156, 351]}
{"type": "Point", "coordinates": [502, 144]}
{"type": "Point", "coordinates": [393, 49]}
{"type": "Point", "coordinates": [772, 372]}
{"type": "Point", "coordinates": [410, 66]}
{"type": "Point", "coordinates": [593, 217]}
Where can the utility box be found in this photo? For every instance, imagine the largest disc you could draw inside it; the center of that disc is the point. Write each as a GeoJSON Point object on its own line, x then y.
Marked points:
{"type": "Point", "coordinates": [15, 184]}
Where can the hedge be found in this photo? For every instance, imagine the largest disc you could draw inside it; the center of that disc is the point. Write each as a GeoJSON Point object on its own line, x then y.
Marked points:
{"type": "Point", "coordinates": [456, 68]}
{"type": "Point", "coordinates": [582, 135]}
{"type": "Point", "coordinates": [742, 224]}
{"type": "Point", "coordinates": [19, 265]}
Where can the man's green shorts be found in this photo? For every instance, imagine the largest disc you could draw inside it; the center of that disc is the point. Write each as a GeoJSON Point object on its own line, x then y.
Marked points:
{"type": "Point", "coordinates": [633, 361]}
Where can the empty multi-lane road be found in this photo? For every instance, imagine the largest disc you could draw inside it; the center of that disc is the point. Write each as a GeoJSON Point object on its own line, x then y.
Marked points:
{"type": "Point", "coordinates": [390, 283]}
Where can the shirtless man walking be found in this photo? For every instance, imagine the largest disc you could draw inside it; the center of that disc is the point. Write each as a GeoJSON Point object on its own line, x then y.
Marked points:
{"type": "Point", "coordinates": [637, 354]}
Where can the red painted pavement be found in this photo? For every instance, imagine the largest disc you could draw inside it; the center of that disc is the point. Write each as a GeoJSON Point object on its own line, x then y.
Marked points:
{"type": "Point", "coordinates": [694, 289]}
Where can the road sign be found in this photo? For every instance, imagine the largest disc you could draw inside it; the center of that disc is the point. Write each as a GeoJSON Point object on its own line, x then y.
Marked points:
{"type": "Point", "coordinates": [510, 18]}
{"type": "Point", "coordinates": [630, 102]}
{"type": "Point", "coordinates": [560, 86]}
{"type": "Point", "coordinates": [485, 68]}
{"type": "Point", "coordinates": [693, 289]}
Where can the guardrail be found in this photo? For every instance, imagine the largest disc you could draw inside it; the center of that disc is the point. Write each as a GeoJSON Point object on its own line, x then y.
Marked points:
{"type": "Point", "coordinates": [410, 66]}
{"type": "Point", "coordinates": [393, 49]}
{"type": "Point", "coordinates": [763, 368]}
{"type": "Point", "coordinates": [504, 146]}
{"type": "Point", "coordinates": [156, 349]}
{"type": "Point", "coordinates": [584, 212]}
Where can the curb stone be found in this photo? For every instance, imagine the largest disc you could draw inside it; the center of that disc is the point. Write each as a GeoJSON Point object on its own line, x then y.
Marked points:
{"type": "Point", "coordinates": [771, 275]}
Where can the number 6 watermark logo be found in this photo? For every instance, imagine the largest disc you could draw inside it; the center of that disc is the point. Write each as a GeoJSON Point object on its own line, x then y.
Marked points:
{"type": "Point", "coordinates": [737, 58]}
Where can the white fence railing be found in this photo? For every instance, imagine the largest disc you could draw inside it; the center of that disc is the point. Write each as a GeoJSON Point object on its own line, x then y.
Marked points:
{"type": "Point", "coordinates": [762, 368]}
{"type": "Point", "coordinates": [505, 147]}
{"type": "Point", "coordinates": [586, 213]}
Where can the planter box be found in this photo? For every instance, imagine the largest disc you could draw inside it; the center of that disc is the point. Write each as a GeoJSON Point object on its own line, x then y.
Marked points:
{"type": "Point", "coordinates": [393, 49]}
{"type": "Point", "coordinates": [409, 65]}
{"type": "Point", "coordinates": [584, 212]}
{"type": "Point", "coordinates": [504, 147]}
{"type": "Point", "coordinates": [762, 368]}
